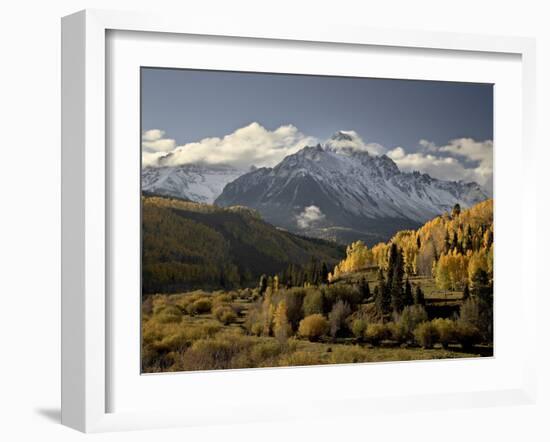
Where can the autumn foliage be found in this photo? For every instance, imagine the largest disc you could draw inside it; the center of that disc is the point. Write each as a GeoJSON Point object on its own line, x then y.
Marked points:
{"type": "Point", "coordinates": [450, 248]}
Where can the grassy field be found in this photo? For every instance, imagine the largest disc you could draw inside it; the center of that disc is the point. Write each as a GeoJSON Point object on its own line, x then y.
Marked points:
{"type": "Point", "coordinates": [204, 331]}
{"type": "Point", "coordinates": [431, 292]}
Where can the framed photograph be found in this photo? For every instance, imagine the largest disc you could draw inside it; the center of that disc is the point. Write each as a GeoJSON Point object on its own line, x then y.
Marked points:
{"type": "Point", "coordinates": [260, 220]}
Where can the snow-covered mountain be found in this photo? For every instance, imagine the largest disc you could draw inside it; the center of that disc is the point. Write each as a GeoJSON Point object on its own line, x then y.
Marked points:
{"type": "Point", "coordinates": [199, 183]}
{"type": "Point", "coordinates": [345, 193]}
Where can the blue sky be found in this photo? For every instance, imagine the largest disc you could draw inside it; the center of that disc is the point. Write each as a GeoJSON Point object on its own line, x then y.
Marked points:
{"type": "Point", "coordinates": [442, 128]}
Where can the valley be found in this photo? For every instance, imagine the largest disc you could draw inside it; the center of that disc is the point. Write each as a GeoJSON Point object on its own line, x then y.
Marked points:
{"type": "Point", "coordinates": [425, 294]}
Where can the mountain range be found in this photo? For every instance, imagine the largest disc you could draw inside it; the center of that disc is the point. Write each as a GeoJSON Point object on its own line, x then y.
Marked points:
{"type": "Point", "coordinates": [195, 182]}
{"type": "Point", "coordinates": [332, 191]}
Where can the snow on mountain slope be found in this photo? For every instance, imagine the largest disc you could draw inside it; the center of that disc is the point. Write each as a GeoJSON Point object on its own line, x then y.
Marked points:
{"type": "Point", "coordinates": [323, 189]}
{"type": "Point", "coordinates": [197, 183]}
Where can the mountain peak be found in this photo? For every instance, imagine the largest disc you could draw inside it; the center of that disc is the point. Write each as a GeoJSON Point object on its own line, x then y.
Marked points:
{"type": "Point", "coordinates": [345, 141]}
{"type": "Point", "coordinates": [342, 135]}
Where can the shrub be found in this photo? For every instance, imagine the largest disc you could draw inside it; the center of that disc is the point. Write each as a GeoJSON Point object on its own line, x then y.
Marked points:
{"type": "Point", "coordinates": [359, 328]}
{"type": "Point", "coordinates": [281, 327]}
{"type": "Point", "coordinates": [183, 301]}
{"type": "Point", "coordinates": [262, 354]}
{"type": "Point", "coordinates": [175, 341]}
{"type": "Point", "coordinates": [202, 331]}
{"type": "Point", "coordinates": [313, 302]}
{"type": "Point", "coordinates": [467, 335]}
{"type": "Point", "coordinates": [377, 333]}
{"type": "Point", "coordinates": [426, 334]}
{"type": "Point", "coordinates": [238, 309]}
{"type": "Point", "coordinates": [300, 358]}
{"type": "Point", "coordinates": [337, 317]}
{"type": "Point", "coordinates": [348, 354]}
{"type": "Point", "coordinates": [158, 303]}
{"type": "Point", "coordinates": [222, 298]}
{"type": "Point", "coordinates": [257, 328]}
{"type": "Point", "coordinates": [246, 293]}
{"type": "Point", "coordinates": [153, 334]}
{"type": "Point", "coordinates": [225, 314]}
{"type": "Point", "coordinates": [402, 329]}
{"type": "Point", "coordinates": [342, 292]}
{"type": "Point", "coordinates": [446, 331]}
{"type": "Point", "coordinates": [253, 321]}
{"type": "Point", "coordinates": [200, 306]}
{"type": "Point", "coordinates": [266, 350]}
{"type": "Point", "coordinates": [167, 314]}
{"type": "Point", "coordinates": [478, 312]}
{"type": "Point", "coordinates": [294, 299]}
{"type": "Point", "coordinates": [370, 313]}
{"type": "Point", "coordinates": [398, 331]}
{"type": "Point", "coordinates": [214, 353]}
{"type": "Point", "coordinates": [147, 306]}
{"type": "Point", "coordinates": [470, 311]}
{"type": "Point", "coordinates": [255, 295]}
{"type": "Point", "coordinates": [411, 317]}
{"type": "Point", "coordinates": [313, 327]}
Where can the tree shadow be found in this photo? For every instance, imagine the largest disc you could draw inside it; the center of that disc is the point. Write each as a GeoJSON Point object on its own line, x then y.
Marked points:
{"type": "Point", "coordinates": [51, 414]}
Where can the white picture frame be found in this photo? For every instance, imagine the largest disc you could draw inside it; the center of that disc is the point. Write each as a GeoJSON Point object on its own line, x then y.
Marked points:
{"type": "Point", "coordinates": [85, 217]}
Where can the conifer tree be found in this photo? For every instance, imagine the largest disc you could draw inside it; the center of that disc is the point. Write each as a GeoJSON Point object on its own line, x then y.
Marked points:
{"type": "Point", "coordinates": [392, 260]}
{"type": "Point", "coordinates": [446, 243]}
{"type": "Point", "coordinates": [313, 272]}
{"type": "Point", "coordinates": [263, 284]}
{"type": "Point", "coordinates": [286, 276]}
{"type": "Point", "coordinates": [466, 292]}
{"type": "Point", "coordinates": [397, 301]}
{"type": "Point", "coordinates": [482, 293]}
{"type": "Point", "coordinates": [324, 273]}
{"type": "Point", "coordinates": [382, 295]}
{"type": "Point", "coordinates": [454, 243]}
{"type": "Point", "coordinates": [456, 210]}
{"type": "Point", "coordinates": [489, 240]}
{"type": "Point", "coordinates": [408, 297]}
{"type": "Point", "coordinates": [419, 296]}
{"type": "Point", "coordinates": [468, 244]}
{"type": "Point", "coordinates": [395, 278]}
{"type": "Point", "coordinates": [480, 284]}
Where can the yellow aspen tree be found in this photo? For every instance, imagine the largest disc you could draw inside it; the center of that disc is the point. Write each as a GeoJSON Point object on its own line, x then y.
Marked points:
{"type": "Point", "coordinates": [281, 326]}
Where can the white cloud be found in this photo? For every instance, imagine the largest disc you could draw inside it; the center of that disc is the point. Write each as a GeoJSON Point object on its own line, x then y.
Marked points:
{"type": "Point", "coordinates": [428, 146]}
{"type": "Point", "coordinates": [446, 162]}
{"type": "Point", "coordinates": [480, 151]}
{"type": "Point", "coordinates": [151, 158]}
{"type": "Point", "coordinates": [153, 140]}
{"type": "Point", "coordinates": [152, 135]}
{"type": "Point", "coordinates": [310, 216]}
{"type": "Point", "coordinates": [349, 139]}
{"type": "Point", "coordinates": [247, 146]}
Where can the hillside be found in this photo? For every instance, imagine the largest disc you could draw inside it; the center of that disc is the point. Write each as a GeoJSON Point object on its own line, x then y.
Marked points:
{"type": "Point", "coordinates": [449, 248]}
{"type": "Point", "coordinates": [188, 245]}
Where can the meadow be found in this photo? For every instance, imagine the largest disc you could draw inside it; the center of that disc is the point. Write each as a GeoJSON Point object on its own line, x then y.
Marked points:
{"type": "Point", "coordinates": [226, 330]}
